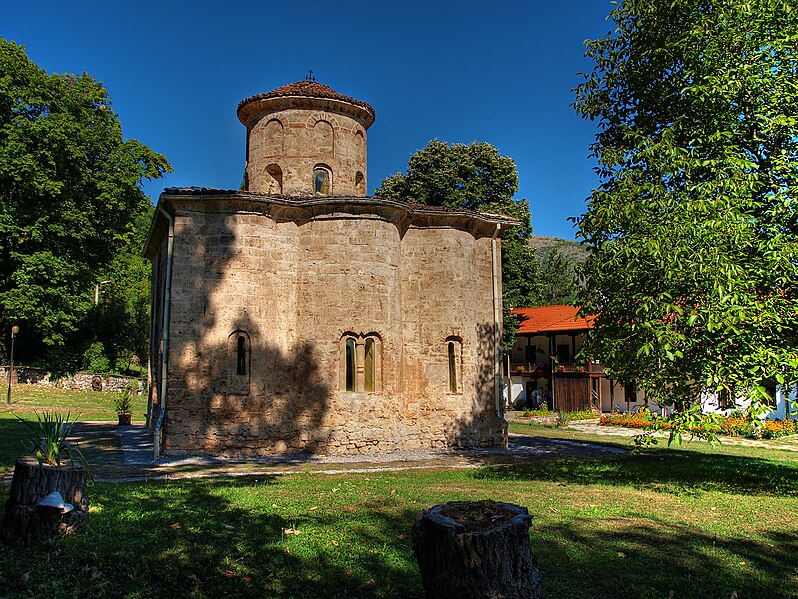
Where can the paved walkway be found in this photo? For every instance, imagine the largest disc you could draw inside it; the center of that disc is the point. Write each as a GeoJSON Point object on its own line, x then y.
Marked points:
{"type": "Point", "coordinates": [125, 453]}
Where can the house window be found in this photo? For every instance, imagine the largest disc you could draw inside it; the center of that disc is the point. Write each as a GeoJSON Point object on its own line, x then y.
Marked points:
{"type": "Point", "coordinates": [454, 351]}
{"type": "Point", "coordinates": [563, 354]}
{"type": "Point", "coordinates": [361, 362]}
{"type": "Point", "coordinates": [322, 181]}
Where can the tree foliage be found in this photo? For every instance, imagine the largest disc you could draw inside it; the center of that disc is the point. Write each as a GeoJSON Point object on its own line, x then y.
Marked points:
{"type": "Point", "coordinates": [693, 230]}
{"type": "Point", "coordinates": [476, 177]}
{"type": "Point", "coordinates": [69, 195]}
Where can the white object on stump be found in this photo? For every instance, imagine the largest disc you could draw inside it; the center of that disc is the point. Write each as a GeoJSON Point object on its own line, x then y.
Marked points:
{"type": "Point", "coordinates": [476, 549]}
{"type": "Point", "coordinates": [56, 502]}
{"type": "Point", "coordinates": [44, 500]}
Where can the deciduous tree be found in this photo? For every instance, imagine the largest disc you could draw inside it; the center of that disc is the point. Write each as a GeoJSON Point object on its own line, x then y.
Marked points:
{"type": "Point", "coordinates": [69, 194]}
{"type": "Point", "coordinates": [476, 177]}
{"type": "Point", "coordinates": [693, 229]}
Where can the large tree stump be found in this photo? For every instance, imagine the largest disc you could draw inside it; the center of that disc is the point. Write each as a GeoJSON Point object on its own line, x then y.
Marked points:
{"type": "Point", "coordinates": [476, 549]}
{"type": "Point", "coordinates": [25, 523]}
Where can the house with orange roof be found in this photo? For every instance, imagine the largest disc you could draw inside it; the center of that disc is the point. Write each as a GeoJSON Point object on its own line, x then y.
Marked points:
{"type": "Point", "coordinates": [543, 367]}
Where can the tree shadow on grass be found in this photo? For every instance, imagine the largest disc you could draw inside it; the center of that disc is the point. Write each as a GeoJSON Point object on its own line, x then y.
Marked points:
{"type": "Point", "coordinates": [237, 538]}
{"type": "Point", "coordinates": [629, 557]}
{"type": "Point", "coordinates": [668, 471]}
{"type": "Point", "coordinates": [222, 538]}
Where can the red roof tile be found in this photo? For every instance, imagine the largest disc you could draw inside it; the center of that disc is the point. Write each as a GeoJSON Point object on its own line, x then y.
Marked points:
{"type": "Point", "coordinates": [307, 89]}
{"type": "Point", "coordinates": [551, 319]}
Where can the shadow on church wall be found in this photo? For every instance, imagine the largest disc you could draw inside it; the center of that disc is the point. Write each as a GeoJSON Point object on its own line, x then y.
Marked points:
{"type": "Point", "coordinates": [232, 389]}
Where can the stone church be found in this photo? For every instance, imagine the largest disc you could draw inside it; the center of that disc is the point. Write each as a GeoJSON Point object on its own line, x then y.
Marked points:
{"type": "Point", "coordinates": [300, 315]}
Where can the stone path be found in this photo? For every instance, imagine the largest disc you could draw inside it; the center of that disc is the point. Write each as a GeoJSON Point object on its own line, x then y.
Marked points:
{"type": "Point", "coordinates": [125, 454]}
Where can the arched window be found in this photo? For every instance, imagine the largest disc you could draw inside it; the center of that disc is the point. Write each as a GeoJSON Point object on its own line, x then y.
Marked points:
{"type": "Point", "coordinates": [452, 369]}
{"type": "Point", "coordinates": [322, 181]}
{"type": "Point", "coordinates": [369, 366]}
{"type": "Point", "coordinates": [361, 363]}
{"type": "Point", "coordinates": [351, 357]}
{"type": "Point", "coordinates": [238, 362]}
{"type": "Point", "coordinates": [241, 355]}
{"type": "Point", "coordinates": [454, 352]}
{"type": "Point", "coordinates": [274, 179]}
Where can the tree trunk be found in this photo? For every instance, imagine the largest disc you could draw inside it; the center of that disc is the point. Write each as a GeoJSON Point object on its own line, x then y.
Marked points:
{"type": "Point", "coordinates": [25, 523]}
{"type": "Point", "coordinates": [476, 549]}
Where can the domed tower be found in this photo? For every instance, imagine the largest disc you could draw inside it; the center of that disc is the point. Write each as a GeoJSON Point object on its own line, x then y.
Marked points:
{"type": "Point", "coordinates": [306, 139]}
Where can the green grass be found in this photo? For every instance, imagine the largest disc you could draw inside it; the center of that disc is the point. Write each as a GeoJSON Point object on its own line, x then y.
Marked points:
{"type": "Point", "coordinates": [632, 527]}
{"type": "Point", "coordinates": [26, 400]}
{"type": "Point", "coordinates": [693, 521]}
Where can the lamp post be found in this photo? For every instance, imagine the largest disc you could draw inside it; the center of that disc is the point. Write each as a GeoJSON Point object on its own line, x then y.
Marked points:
{"type": "Point", "coordinates": [14, 332]}
{"type": "Point", "coordinates": [97, 290]}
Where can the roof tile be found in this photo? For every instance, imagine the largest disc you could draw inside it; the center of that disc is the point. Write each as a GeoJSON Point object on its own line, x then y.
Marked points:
{"type": "Point", "coordinates": [551, 319]}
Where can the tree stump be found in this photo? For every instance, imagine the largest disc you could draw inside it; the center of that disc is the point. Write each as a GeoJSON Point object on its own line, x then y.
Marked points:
{"type": "Point", "coordinates": [476, 549]}
{"type": "Point", "coordinates": [25, 523]}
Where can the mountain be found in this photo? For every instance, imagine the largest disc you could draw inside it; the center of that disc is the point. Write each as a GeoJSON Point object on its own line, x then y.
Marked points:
{"type": "Point", "coordinates": [571, 250]}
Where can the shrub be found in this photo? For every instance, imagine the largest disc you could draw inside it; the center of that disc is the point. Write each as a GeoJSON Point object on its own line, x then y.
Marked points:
{"type": "Point", "coordinates": [48, 438]}
{"type": "Point", "coordinates": [95, 359]}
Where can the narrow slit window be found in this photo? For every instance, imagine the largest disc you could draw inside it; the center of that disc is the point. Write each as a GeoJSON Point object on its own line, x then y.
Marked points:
{"type": "Point", "coordinates": [350, 364]}
{"type": "Point", "coordinates": [452, 368]}
{"type": "Point", "coordinates": [369, 366]}
{"type": "Point", "coordinates": [241, 355]}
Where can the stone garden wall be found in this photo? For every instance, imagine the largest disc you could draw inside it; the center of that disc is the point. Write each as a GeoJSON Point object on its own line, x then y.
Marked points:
{"type": "Point", "coordinates": [83, 381]}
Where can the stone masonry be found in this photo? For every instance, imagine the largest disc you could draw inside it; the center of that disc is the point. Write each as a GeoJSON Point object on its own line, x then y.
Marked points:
{"type": "Point", "coordinates": [332, 323]}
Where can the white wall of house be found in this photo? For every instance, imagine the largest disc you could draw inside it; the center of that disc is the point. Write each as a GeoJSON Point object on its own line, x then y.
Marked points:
{"type": "Point", "coordinates": [785, 403]}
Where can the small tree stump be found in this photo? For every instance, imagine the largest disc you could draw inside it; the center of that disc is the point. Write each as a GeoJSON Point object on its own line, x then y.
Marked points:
{"type": "Point", "coordinates": [476, 549]}
{"type": "Point", "coordinates": [25, 524]}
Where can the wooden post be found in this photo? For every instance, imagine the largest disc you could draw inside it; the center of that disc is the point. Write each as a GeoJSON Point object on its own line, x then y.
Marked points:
{"type": "Point", "coordinates": [476, 549]}
{"type": "Point", "coordinates": [25, 524]}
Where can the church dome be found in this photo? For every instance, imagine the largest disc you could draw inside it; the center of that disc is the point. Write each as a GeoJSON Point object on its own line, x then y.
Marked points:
{"type": "Point", "coordinates": [305, 138]}
{"type": "Point", "coordinates": [297, 94]}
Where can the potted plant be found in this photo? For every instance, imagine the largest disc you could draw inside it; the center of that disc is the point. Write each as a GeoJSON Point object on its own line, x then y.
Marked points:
{"type": "Point", "coordinates": [124, 405]}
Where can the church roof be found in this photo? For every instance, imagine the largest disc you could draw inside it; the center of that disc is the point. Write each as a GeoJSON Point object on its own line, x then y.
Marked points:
{"type": "Point", "coordinates": [302, 208]}
{"type": "Point", "coordinates": [311, 198]}
{"type": "Point", "coordinates": [307, 89]}
{"type": "Point", "coordinates": [551, 319]}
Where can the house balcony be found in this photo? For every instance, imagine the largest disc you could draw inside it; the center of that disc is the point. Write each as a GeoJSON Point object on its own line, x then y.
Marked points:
{"type": "Point", "coordinates": [541, 370]}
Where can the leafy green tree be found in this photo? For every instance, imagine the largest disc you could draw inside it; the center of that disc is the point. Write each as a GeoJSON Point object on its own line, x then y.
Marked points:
{"type": "Point", "coordinates": [69, 195]}
{"type": "Point", "coordinates": [558, 278]}
{"type": "Point", "coordinates": [121, 320]}
{"type": "Point", "coordinates": [693, 230]}
{"type": "Point", "coordinates": [476, 177]}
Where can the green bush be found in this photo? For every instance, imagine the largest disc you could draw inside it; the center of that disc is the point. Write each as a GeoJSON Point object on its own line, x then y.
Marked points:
{"type": "Point", "coordinates": [95, 359]}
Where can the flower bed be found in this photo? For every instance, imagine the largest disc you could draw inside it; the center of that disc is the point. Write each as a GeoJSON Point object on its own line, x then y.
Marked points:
{"type": "Point", "coordinates": [730, 426]}
{"type": "Point", "coordinates": [544, 412]}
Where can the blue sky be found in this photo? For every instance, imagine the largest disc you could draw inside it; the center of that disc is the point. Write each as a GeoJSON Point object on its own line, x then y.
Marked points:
{"type": "Point", "coordinates": [500, 72]}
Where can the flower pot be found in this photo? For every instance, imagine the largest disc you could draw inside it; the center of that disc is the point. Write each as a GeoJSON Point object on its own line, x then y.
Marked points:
{"type": "Point", "coordinates": [124, 419]}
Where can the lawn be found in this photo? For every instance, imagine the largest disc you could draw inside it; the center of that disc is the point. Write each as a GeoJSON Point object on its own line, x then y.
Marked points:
{"type": "Point", "coordinates": [26, 400]}
{"type": "Point", "coordinates": [686, 522]}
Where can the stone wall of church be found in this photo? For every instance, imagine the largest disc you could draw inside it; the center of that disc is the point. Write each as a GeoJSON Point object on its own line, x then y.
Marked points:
{"type": "Point", "coordinates": [289, 294]}
{"type": "Point", "coordinates": [285, 147]}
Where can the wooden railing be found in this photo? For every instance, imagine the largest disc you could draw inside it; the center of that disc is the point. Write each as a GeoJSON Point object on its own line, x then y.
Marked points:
{"type": "Point", "coordinates": [539, 369]}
